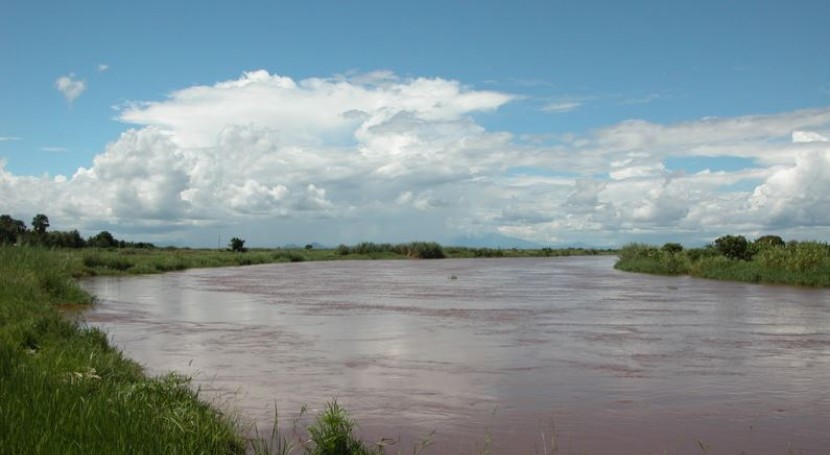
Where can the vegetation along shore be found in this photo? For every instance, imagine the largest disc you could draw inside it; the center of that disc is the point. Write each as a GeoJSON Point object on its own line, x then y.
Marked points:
{"type": "Point", "coordinates": [767, 259]}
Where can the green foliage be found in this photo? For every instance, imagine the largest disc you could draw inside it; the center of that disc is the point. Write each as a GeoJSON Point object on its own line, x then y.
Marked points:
{"type": "Point", "coordinates": [103, 239]}
{"type": "Point", "coordinates": [796, 256]}
{"type": "Point", "coordinates": [769, 241]}
{"type": "Point", "coordinates": [638, 257]}
{"type": "Point", "coordinates": [767, 261]}
{"type": "Point", "coordinates": [672, 248]}
{"type": "Point", "coordinates": [39, 223]}
{"type": "Point", "coordinates": [237, 245]}
{"type": "Point", "coordinates": [695, 254]}
{"type": "Point", "coordinates": [63, 389]}
{"type": "Point", "coordinates": [332, 434]}
{"type": "Point", "coordinates": [734, 247]}
{"type": "Point", "coordinates": [10, 230]}
{"type": "Point", "coordinates": [422, 250]}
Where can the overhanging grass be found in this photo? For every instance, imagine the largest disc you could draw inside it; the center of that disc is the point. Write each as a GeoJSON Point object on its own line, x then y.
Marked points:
{"type": "Point", "coordinates": [64, 389]}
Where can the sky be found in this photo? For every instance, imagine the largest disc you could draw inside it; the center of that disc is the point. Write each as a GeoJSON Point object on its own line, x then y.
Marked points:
{"type": "Point", "coordinates": [551, 123]}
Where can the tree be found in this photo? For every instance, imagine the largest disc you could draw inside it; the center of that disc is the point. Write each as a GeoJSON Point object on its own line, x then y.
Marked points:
{"type": "Point", "coordinates": [237, 245]}
{"type": "Point", "coordinates": [770, 240]}
{"type": "Point", "coordinates": [102, 240]}
{"type": "Point", "coordinates": [672, 248]}
{"type": "Point", "coordinates": [10, 229]}
{"type": "Point", "coordinates": [39, 223]}
{"type": "Point", "coordinates": [734, 247]}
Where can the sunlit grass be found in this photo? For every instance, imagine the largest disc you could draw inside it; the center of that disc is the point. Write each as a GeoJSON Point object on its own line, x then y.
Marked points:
{"type": "Point", "coordinates": [797, 263]}
{"type": "Point", "coordinates": [64, 389]}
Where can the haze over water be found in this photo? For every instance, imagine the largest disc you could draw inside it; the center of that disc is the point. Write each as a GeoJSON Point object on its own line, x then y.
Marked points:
{"type": "Point", "coordinates": [617, 363]}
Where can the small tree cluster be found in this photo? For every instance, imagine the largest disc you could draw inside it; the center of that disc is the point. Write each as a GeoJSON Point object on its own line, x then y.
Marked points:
{"type": "Point", "coordinates": [421, 250]}
{"type": "Point", "coordinates": [237, 245]}
{"type": "Point", "coordinates": [734, 247]}
{"type": "Point", "coordinates": [15, 232]}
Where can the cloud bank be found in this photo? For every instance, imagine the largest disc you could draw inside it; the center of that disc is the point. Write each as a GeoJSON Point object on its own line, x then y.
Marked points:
{"type": "Point", "coordinates": [382, 158]}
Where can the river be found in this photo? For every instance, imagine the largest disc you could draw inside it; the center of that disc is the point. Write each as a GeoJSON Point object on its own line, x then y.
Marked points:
{"type": "Point", "coordinates": [493, 355]}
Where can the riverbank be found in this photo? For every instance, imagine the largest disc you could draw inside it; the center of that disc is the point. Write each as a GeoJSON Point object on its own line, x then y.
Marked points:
{"type": "Point", "coordinates": [65, 389]}
{"type": "Point", "coordinates": [791, 263]}
{"type": "Point", "coordinates": [137, 261]}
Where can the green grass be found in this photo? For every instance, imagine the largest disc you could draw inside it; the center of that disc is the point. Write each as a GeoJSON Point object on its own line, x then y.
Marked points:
{"type": "Point", "coordinates": [797, 263]}
{"type": "Point", "coordinates": [64, 389]}
{"type": "Point", "coordinates": [134, 261]}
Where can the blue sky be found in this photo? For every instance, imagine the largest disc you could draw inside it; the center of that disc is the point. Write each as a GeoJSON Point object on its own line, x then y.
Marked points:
{"type": "Point", "coordinates": [639, 120]}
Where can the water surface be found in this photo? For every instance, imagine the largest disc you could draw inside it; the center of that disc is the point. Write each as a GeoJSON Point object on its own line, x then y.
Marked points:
{"type": "Point", "coordinates": [511, 350]}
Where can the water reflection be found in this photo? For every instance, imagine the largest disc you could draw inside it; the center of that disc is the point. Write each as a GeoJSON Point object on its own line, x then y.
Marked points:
{"type": "Point", "coordinates": [622, 363]}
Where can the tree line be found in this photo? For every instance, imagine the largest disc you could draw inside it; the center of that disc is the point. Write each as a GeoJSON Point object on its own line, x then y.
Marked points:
{"type": "Point", "coordinates": [15, 232]}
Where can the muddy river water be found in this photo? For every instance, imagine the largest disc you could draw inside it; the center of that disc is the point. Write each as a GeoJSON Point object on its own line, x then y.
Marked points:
{"type": "Point", "coordinates": [507, 352]}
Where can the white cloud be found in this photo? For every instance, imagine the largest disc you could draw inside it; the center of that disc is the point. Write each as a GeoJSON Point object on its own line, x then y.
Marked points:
{"type": "Point", "coordinates": [102, 67]}
{"type": "Point", "coordinates": [70, 87]}
{"type": "Point", "coordinates": [808, 136]}
{"type": "Point", "coordinates": [54, 149]}
{"type": "Point", "coordinates": [9, 138]}
{"type": "Point", "coordinates": [561, 107]}
{"type": "Point", "coordinates": [382, 158]}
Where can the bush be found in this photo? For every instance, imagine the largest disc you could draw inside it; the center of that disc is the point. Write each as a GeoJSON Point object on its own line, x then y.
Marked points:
{"type": "Point", "coordinates": [638, 251]}
{"type": "Point", "coordinates": [237, 245]}
{"type": "Point", "coordinates": [769, 241]}
{"type": "Point", "coordinates": [696, 254]}
{"type": "Point", "coordinates": [672, 248]}
{"type": "Point", "coordinates": [332, 434]}
{"type": "Point", "coordinates": [423, 250]}
{"type": "Point", "coordinates": [734, 247]}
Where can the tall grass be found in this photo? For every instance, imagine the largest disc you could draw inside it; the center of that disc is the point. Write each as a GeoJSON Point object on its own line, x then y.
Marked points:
{"type": "Point", "coordinates": [797, 263]}
{"type": "Point", "coordinates": [64, 389]}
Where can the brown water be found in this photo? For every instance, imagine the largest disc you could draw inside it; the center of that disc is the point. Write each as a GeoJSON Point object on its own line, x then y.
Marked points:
{"type": "Point", "coordinates": [512, 349]}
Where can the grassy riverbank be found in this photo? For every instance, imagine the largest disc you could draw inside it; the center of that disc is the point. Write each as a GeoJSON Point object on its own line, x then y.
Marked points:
{"type": "Point", "coordinates": [65, 389]}
{"type": "Point", "coordinates": [132, 261]}
{"type": "Point", "coordinates": [736, 259]}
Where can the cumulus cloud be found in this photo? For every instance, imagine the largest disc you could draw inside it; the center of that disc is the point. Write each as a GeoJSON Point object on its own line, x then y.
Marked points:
{"type": "Point", "coordinates": [378, 157]}
{"type": "Point", "coordinates": [70, 87]}
{"type": "Point", "coordinates": [808, 136]}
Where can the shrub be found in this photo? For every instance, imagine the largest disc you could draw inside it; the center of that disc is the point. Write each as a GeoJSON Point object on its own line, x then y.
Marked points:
{"type": "Point", "coordinates": [696, 254]}
{"type": "Point", "coordinates": [237, 245]}
{"type": "Point", "coordinates": [672, 248]}
{"type": "Point", "coordinates": [332, 434]}
{"type": "Point", "coordinates": [638, 251]}
{"type": "Point", "coordinates": [769, 241]}
{"type": "Point", "coordinates": [423, 250]}
{"type": "Point", "coordinates": [734, 247]}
